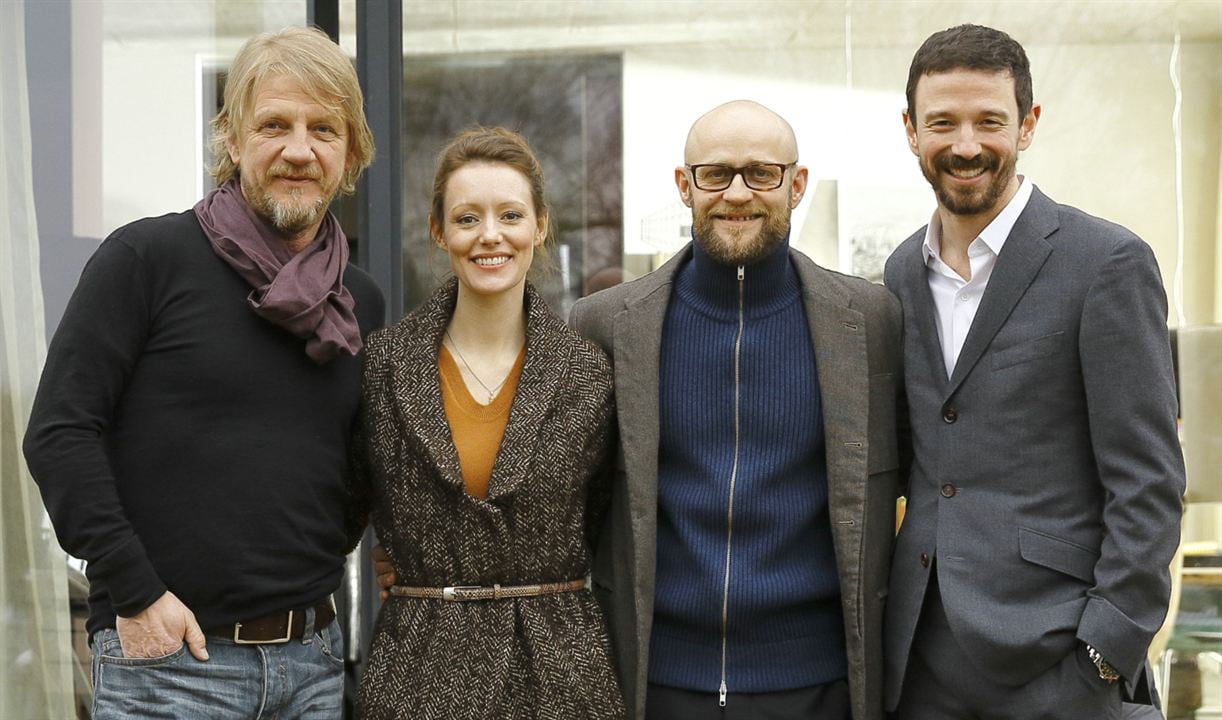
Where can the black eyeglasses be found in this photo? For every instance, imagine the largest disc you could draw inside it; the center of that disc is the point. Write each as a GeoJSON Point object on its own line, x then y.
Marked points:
{"type": "Point", "coordinates": [757, 176]}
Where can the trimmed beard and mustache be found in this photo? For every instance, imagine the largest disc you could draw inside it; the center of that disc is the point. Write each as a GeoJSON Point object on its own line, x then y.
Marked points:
{"type": "Point", "coordinates": [968, 202]}
{"type": "Point", "coordinates": [290, 218]}
{"type": "Point", "coordinates": [740, 248]}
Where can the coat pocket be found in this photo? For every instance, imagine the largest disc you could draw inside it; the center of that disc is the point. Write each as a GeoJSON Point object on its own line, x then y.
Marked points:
{"type": "Point", "coordinates": [1056, 554]}
{"type": "Point", "coordinates": [1028, 350]}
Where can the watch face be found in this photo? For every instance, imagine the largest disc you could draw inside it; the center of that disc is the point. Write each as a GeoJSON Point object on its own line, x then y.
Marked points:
{"type": "Point", "coordinates": [1106, 671]}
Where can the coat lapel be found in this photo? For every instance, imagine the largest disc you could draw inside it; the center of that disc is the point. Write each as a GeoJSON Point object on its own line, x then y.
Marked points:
{"type": "Point", "coordinates": [918, 300]}
{"type": "Point", "coordinates": [417, 386]}
{"type": "Point", "coordinates": [542, 369]}
{"type": "Point", "coordinates": [638, 343]}
{"type": "Point", "coordinates": [637, 351]}
{"type": "Point", "coordinates": [1021, 258]}
{"type": "Point", "coordinates": [838, 333]}
{"type": "Point", "coordinates": [422, 416]}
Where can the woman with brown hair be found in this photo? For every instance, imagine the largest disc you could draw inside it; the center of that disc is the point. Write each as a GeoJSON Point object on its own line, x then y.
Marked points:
{"type": "Point", "coordinates": [485, 428]}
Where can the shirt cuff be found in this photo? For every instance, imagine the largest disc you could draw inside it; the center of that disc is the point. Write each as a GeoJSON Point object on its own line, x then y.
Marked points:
{"type": "Point", "coordinates": [128, 577]}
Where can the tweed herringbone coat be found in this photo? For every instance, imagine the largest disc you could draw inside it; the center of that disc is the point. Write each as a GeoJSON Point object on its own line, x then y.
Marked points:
{"type": "Point", "coordinates": [542, 657]}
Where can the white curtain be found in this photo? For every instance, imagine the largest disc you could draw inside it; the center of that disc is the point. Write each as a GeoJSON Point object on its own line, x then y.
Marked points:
{"type": "Point", "coordinates": [36, 661]}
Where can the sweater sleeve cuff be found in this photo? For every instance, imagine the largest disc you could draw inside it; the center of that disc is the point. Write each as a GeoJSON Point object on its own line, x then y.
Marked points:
{"type": "Point", "coordinates": [129, 578]}
{"type": "Point", "coordinates": [1120, 641]}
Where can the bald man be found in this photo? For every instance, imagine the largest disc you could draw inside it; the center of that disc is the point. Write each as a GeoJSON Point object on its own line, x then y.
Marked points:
{"type": "Point", "coordinates": [743, 563]}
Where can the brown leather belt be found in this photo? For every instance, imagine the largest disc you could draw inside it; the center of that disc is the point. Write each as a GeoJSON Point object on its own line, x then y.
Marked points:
{"type": "Point", "coordinates": [278, 627]}
{"type": "Point", "coordinates": [467, 593]}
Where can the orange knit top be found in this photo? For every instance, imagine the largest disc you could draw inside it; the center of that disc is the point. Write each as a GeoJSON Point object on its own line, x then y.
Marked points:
{"type": "Point", "coordinates": [477, 429]}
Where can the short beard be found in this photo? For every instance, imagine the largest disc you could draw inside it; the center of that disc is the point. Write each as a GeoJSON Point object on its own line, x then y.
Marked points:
{"type": "Point", "coordinates": [977, 202]}
{"type": "Point", "coordinates": [740, 249]}
{"type": "Point", "coordinates": [290, 219]}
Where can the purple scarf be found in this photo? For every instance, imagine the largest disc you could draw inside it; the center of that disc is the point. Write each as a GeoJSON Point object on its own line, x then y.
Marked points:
{"type": "Point", "coordinates": [302, 293]}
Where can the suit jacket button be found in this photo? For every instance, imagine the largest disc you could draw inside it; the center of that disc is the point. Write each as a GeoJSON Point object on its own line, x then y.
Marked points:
{"type": "Point", "coordinates": [950, 415]}
{"type": "Point", "coordinates": [948, 490]}
{"type": "Point", "coordinates": [924, 560]}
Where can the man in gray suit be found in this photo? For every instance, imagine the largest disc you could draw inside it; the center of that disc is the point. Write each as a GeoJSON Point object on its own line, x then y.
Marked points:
{"type": "Point", "coordinates": [743, 562]}
{"type": "Point", "coordinates": [1044, 502]}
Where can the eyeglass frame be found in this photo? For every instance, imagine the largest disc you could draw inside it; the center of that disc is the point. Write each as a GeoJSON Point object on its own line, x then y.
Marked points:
{"type": "Point", "coordinates": [739, 172]}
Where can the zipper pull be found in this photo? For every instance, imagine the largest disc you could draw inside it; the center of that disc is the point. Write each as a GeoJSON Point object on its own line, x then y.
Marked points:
{"type": "Point", "coordinates": [722, 690]}
{"type": "Point", "coordinates": [741, 270]}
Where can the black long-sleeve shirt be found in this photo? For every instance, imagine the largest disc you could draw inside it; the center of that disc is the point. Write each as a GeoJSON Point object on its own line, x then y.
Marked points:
{"type": "Point", "coordinates": [182, 442]}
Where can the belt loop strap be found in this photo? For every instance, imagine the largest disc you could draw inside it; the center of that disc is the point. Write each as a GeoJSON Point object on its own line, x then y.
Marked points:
{"type": "Point", "coordinates": [307, 632]}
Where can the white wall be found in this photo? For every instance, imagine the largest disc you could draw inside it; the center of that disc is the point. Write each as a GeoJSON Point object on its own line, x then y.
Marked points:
{"type": "Point", "coordinates": [852, 137]}
{"type": "Point", "coordinates": [151, 125]}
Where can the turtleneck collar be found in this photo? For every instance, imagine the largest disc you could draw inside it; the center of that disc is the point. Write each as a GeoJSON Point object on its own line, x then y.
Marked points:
{"type": "Point", "coordinates": [768, 284]}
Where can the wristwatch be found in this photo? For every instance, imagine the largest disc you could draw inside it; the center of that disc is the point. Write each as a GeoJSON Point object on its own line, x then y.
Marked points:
{"type": "Point", "coordinates": [1107, 673]}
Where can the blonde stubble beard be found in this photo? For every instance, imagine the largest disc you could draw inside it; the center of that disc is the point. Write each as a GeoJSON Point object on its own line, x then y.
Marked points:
{"type": "Point", "coordinates": [290, 218]}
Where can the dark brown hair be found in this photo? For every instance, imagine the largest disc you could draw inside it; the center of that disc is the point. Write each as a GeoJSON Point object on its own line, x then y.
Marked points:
{"type": "Point", "coordinates": [494, 145]}
{"type": "Point", "coordinates": [489, 145]}
{"type": "Point", "coordinates": [971, 47]}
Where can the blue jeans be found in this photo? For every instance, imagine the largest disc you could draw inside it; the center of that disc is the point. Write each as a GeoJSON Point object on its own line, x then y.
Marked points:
{"type": "Point", "coordinates": [297, 679]}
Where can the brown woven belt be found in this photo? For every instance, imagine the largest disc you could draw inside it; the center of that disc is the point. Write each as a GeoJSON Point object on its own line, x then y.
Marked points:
{"type": "Point", "coordinates": [466, 593]}
{"type": "Point", "coordinates": [276, 628]}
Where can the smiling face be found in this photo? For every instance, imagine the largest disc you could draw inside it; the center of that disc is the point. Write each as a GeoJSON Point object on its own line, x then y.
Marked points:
{"type": "Point", "coordinates": [738, 225]}
{"type": "Point", "coordinates": [488, 227]}
{"type": "Point", "coordinates": [967, 135]}
{"type": "Point", "coordinates": [291, 155]}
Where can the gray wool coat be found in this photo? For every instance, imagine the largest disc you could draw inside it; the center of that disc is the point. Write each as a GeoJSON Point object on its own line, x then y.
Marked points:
{"type": "Point", "coordinates": [855, 328]}
{"type": "Point", "coordinates": [525, 658]}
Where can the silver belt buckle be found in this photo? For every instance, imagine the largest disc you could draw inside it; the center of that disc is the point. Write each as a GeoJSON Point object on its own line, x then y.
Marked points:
{"type": "Point", "coordinates": [288, 634]}
{"type": "Point", "coordinates": [455, 593]}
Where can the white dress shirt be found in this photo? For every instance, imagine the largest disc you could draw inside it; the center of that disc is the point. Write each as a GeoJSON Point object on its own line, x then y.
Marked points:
{"type": "Point", "coordinates": [955, 299]}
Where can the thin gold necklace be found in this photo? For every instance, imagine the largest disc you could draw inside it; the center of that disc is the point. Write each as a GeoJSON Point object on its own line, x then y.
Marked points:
{"type": "Point", "coordinates": [491, 391]}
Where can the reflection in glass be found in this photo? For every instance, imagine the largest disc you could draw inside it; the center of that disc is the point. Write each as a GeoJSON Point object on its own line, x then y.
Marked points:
{"type": "Point", "coordinates": [569, 109]}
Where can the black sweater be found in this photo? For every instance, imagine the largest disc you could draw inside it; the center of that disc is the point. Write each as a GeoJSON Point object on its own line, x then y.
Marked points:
{"type": "Point", "coordinates": [182, 442]}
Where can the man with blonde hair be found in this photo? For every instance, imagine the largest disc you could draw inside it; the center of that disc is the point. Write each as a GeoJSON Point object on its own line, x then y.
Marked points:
{"type": "Point", "coordinates": [191, 430]}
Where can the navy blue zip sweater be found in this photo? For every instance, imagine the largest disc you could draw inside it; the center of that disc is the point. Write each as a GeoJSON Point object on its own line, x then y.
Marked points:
{"type": "Point", "coordinates": [785, 627]}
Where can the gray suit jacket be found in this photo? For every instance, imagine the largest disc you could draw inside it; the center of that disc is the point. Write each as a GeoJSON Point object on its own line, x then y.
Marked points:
{"type": "Point", "coordinates": [1047, 475]}
{"type": "Point", "coordinates": [855, 328]}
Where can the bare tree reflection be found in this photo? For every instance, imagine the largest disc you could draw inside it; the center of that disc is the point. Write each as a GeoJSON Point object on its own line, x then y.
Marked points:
{"type": "Point", "coordinates": [569, 108]}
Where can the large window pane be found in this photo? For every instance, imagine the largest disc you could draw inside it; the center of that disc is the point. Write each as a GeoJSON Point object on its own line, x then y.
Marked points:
{"type": "Point", "coordinates": [567, 107]}
{"type": "Point", "coordinates": [837, 72]}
